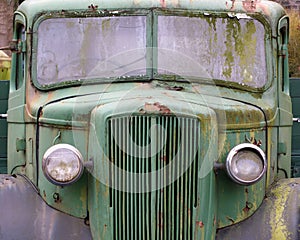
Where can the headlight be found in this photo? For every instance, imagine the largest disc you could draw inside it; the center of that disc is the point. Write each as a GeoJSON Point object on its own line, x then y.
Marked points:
{"type": "Point", "coordinates": [246, 164]}
{"type": "Point", "coordinates": [62, 164]}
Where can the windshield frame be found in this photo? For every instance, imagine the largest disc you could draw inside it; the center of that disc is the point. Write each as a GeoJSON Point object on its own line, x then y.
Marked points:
{"type": "Point", "coordinates": [151, 42]}
{"type": "Point", "coordinates": [83, 14]}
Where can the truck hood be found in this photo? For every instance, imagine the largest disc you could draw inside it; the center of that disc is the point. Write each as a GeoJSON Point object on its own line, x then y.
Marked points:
{"type": "Point", "coordinates": [76, 111]}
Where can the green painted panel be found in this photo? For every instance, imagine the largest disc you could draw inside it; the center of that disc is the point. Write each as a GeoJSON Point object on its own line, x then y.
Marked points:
{"type": "Point", "coordinates": [238, 202]}
{"type": "Point", "coordinates": [71, 199]}
{"type": "Point", "coordinates": [295, 95]}
{"type": "Point", "coordinates": [4, 88]}
{"type": "Point", "coordinates": [296, 165]}
{"type": "Point", "coordinates": [3, 165]}
{"type": "Point", "coordinates": [295, 87]}
{"type": "Point", "coordinates": [295, 105]}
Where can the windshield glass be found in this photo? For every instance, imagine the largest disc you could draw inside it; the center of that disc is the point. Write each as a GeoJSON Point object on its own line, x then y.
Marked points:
{"type": "Point", "coordinates": [207, 47]}
{"type": "Point", "coordinates": [73, 49]}
{"type": "Point", "coordinates": [223, 48]}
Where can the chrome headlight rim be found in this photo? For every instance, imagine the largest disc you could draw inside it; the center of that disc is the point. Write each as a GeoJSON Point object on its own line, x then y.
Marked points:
{"type": "Point", "coordinates": [244, 147]}
{"type": "Point", "coordinates": [46, 159]}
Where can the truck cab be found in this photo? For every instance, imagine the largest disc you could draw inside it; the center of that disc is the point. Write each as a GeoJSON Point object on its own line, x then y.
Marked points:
{"type": "Point", "coordinates": [149, 120]}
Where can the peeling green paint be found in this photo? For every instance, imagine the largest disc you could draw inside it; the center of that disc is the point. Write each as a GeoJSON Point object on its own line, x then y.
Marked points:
{"type": "Point", "coordinates": [278, 225]}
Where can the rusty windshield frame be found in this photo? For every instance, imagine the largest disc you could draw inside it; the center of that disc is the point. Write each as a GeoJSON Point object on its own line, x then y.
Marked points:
{"type": "Point", "coordinates": [154, 51]}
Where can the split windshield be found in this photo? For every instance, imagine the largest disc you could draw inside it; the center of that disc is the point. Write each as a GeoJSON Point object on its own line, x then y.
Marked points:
{"type": "Point", "coordinates": [99, 48]}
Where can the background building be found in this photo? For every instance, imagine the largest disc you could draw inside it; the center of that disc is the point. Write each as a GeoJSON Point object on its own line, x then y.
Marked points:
{"type": "Point", "coordinates": [6, 20]}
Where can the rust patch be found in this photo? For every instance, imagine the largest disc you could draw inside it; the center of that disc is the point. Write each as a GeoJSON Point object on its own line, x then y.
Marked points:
{"type": "Point", "coordinates": [246, 209]}
{"type": "Point", "coordinates": [253, 141]}
{"type": "Point", "coordinates": [250, 5]}
{"type": "Point", "coordinates": [160, 224]}
{"type": "Point", "coordinates": [57, 198]}
{"type": "Point", "coordinates": [6, 181]}
{"type": "Point", "coordinates": [87, 221]}
{"type": "Point", "coordinates": [93, 7]}
{"type": "Point", "coordinates": [155, 107]}
{"type": "Point", "coordinates": [40, 113]}
{"type": "Point", "coordinates": [175, 88]}
{"type": "Point", "coordinates": [230, 5]}
{"type": "Point", "coordinates": [200, 224]}
{"type": "Point", "coordinates": [164, 158]}
{"type": "Point", "coordinates": [163, 3]}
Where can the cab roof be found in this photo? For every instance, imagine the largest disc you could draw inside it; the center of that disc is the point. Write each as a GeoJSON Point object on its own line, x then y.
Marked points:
{"type": "Point", "coordinates": [271, 11]}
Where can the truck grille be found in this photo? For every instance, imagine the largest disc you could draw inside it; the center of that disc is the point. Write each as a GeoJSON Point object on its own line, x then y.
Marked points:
{"type": "Point", "coordinates": [154, 206]}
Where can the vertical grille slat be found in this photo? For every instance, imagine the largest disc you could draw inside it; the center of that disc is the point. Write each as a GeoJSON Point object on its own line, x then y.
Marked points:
{"type": "Point", "coordinates": [148, 144]}
{"type": "Point", "coordinates": [153, 197]}
{"type": "Point", "coordinates": [190, 199]}
{"type": "Point", "coordinates": [147, 199]}
{"type": "Point", "coordinates": [171, 139]}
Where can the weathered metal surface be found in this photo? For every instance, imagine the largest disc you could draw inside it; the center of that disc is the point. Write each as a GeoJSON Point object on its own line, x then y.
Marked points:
{"type": "Point", "coordinates": [247, 198]}
{"type": "Point", "coordinates": [75, 110]}
{"type": "Point", "coordinates": [229, 113]}
{"type": "Point", "coordinates": [251, 6]}
{"type": "Point", "coordinates": [68, 203]}
{"type": "Point", "coordinates": [139, 102]}
{"type": "Point", "coordinates": [277, 217]}
{"type": "Point", "coordinates": [24, 215]}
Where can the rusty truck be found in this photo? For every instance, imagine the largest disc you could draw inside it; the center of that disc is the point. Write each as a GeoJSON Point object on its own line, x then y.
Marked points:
{"type": "Point", "coordinates": [149, 119]}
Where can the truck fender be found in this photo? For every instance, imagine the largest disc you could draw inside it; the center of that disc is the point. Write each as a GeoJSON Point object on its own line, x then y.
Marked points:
{"type": "Point", "coordinates": [24, 214]}
{"type": "Point", "coordinates": [277, 217]}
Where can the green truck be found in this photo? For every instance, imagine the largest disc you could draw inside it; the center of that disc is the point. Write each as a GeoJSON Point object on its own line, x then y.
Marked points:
{"type": "Point", "coordinates": [157, 119]}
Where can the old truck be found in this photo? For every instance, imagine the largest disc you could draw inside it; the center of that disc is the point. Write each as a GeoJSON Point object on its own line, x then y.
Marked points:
{"type": "Point", "coordinates": [157, 119]}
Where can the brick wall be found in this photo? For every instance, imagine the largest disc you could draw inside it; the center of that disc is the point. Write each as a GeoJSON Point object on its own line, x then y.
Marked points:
{"type": "Point", "coordinates": [6, 22]}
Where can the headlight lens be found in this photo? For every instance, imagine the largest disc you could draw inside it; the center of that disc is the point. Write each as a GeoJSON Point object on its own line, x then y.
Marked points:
{"type": "Point", "coordinates": [62, 164]}
{"type": "Point", "coordinates": [246, 164]}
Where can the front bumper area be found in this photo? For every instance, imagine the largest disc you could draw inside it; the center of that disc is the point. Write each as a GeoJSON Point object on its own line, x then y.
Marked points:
{"type": "Point", "coordinates": [277, 218]}
{"type": "Point", "coordinates": [24, 214]}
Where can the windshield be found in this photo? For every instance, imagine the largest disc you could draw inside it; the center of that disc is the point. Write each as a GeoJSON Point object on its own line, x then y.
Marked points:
{"type": "Point", "coordinates": [207, 47]}
{"type": "Point", "coordinates": [72, 48]}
